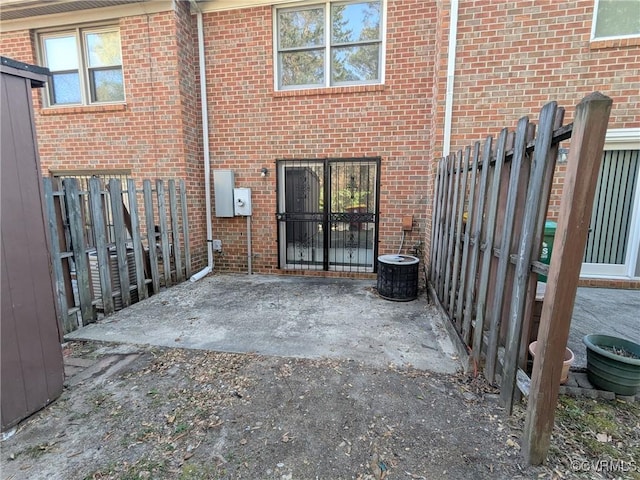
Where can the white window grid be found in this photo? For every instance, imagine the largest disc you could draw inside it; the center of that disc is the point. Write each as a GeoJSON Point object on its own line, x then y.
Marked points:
{"type": "Point", "coordinates": [326, 5]}
{"type": "Point", "coordinates": [80, 34]}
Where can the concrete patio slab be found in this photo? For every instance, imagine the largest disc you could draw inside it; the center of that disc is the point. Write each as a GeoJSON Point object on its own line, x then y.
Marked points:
{"type": "Point", "coordinates": [603, 311]}
{"type": "Point", "coordinates": [286, 316]}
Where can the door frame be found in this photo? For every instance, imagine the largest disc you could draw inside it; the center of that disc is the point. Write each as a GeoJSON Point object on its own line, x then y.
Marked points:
{"type": "Point", "coordinates": [621, 139]}
{"type": "Point", "coordinates": [326, 213]}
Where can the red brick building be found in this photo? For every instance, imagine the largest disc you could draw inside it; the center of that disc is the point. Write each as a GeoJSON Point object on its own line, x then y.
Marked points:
{"type": "Point", "coordinates": [331, 113]}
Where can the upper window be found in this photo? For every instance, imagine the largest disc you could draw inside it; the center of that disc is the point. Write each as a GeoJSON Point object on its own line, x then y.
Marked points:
{"type": "Point", "coordinates": [616, 19]}
{"type": "Point", "coordinates": [85, 65]}
{"type": "Point", "coordinates": [333, 43]}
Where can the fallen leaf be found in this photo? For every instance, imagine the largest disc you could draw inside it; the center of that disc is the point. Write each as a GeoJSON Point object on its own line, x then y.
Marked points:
{"type": "Point", "coordinates": [243, 441]}
{"type": "Point", "coordinates": [603, 438]}
{"type": "Point", "coordinates": [511, 443]}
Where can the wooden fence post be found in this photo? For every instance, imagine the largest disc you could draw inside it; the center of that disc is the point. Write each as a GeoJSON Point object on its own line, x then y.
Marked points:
{"type": "Point", "coordinates": [583, 165]}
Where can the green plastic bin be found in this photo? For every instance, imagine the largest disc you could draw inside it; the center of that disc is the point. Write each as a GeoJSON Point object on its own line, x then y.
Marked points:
{"type": "Point", "coordinates": [547, 245]}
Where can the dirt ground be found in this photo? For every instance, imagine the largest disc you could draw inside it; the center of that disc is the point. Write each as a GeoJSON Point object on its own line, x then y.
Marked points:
{"type": "Point", "coordinates": [156, 413]}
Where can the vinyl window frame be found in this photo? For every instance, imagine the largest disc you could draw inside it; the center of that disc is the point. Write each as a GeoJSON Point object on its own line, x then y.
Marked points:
{"type": "Point", "coordinates": [327, 45]}
{"type": "Point", "coordinates": [594, 22]}
{"type": "Point", "coordinates": [88, 95]}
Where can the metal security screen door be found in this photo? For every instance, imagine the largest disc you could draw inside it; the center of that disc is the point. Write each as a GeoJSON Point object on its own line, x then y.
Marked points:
{"type": "Point", "coordinates": [328, 214]}
{"type": "Point", "coordinates": [612, 245]}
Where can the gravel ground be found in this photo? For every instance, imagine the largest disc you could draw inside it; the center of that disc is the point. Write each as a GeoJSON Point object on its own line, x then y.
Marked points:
{"type": "Point", "coordinates": [156, 413]}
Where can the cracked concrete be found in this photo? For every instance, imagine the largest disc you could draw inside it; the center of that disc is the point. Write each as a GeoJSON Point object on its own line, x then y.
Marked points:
{"type": "Point", "coordinates": [304, 317]}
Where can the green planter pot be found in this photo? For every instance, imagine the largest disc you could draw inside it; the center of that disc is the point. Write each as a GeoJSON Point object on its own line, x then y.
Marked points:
{"type": "Point", "coordinates": [610, 371]}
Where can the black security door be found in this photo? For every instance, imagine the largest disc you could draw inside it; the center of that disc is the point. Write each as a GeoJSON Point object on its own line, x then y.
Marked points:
{"type": "Point", "coordinates": [327, 214]}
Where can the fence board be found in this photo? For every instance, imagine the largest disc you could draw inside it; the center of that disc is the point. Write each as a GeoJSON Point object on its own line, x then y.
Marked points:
{"type": "Point", "coordinates": [463, 167]}
{"type": "Point", "coordinates": [488, 233]}
{"type": "Point", "coordinates": [518, 215]}
{"type": "Point", "coordinates": [164, 234]}
{"type": "Point", "coordinates": [175, 231]}
{"type": "Point", "coordinates": [102, 249]}
{"type": "Point", "coordinates": [541, 163]}
{"type": "Point", "coordinates": [471, 248]}
{"type": "Point", "coordinates": [505, 242]}
{"type": "Point", "coordinates": [76, 229]}
{"type": "Point", "coordinates": [455, 178]}
{"type": "Point", "coordinates": [115, 188]}
{"type": "Point", "coordinates": [56, 260]}
{"type": "Point", "coordinates": [185, 229]}
{"type": "Point", "coordinates": [446, 223]}
{"type": "Point", "coordinates": [151, 234]}
{"type": "Point", "coordinates": [438, 216]}
{"type": "Point", "coordinates": [138, 251]}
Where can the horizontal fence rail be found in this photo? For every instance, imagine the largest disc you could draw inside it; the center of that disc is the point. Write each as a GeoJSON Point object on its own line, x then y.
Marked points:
{"type": "Point", "coordinates": [490, 207]}
{"type": "Point", "coordinates": [114, 244]}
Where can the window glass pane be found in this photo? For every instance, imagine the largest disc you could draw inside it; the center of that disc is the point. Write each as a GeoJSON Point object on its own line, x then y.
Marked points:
{"type": "Point", "coordinates": [302, 28]}
{"type": "Point", "coordinates": [61, 53]}
{"type": "Point", "coordinates": [107, 85]}
{"type": "Point", "coordinates": [617, 17]}
{"type": "Point", "coordinates": [302, 68]}
{"type": "Point", "coordinates": [65, 88]}
{"type": "Point", "coordinates": [354, 64]}
{"type": "Point", "coordinates": [103, 49]}
{"type": "Point", "coordinates": [355, 22]}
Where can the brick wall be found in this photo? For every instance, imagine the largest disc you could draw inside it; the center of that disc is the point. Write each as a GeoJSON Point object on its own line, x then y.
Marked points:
{"type": "Point", "coordinates": [513, 57]}
{"type": "Point", "coordinates": [252, 125]}
{"type": "Point", "coordinates": [154, 134]}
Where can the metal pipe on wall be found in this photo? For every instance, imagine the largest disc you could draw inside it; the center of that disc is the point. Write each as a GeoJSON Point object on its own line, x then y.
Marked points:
{"type": "Point", "coordinates": [249, 264]}
{"type": "Point", "coordinates": [205, 143]}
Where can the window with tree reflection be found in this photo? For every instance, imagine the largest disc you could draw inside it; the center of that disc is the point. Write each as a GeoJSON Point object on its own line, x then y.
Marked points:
{"type": "Point", "coordinates": [334, 43]}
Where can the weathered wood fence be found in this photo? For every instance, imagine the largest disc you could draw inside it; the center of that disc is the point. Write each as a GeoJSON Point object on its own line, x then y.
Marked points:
{"type": "Point", "coordinates": [113, 246]}
{"type": "Point", "coordinates": [490, 208]}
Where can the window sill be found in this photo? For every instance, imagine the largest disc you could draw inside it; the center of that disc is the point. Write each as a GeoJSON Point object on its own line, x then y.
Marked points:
{"type": "Point", "coordinates": [118, 107]}
{"type": "Point", "coordinates": [614, 43]}
{"type": "Point", "coordinates": [329, 90]}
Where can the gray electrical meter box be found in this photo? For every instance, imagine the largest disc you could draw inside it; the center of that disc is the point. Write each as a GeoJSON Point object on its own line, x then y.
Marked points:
{"type": "Point", "coordinates": [242, 201]}
{"type": "Point", "coordinates": [223, 183]}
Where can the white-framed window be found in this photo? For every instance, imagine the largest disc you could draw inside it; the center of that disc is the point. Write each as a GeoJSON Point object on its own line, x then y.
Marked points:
{"type": "Point", "coordinates": [615, 19]}
{"type": "Point", "coordinates": [85, 66]}
{"type": "Point", "coordinates": [329, 44]}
